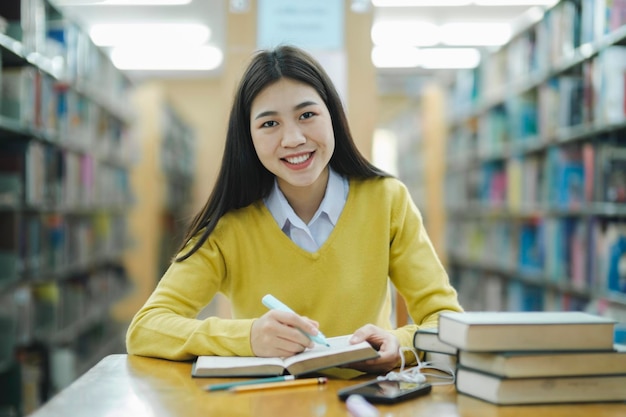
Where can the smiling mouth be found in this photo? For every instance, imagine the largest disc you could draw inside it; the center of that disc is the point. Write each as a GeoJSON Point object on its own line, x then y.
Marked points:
{"type": "Point", "coordinates": [296, 160]}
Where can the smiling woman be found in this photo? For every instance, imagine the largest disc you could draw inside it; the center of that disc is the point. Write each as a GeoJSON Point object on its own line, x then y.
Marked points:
{"type": "Point", "coordinates": [287, 216]}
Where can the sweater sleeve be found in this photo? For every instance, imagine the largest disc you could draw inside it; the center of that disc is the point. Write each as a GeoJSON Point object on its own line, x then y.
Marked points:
{"type": "Point", "coordinates": [416, 271]}
{"type": "Point", "coordinates": [167, 325]}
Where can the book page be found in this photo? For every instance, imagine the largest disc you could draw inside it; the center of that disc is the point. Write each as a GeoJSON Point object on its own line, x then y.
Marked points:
{"type": "Point", "coordinates": [339, 346]}
{"type": "Point", "coordinates": [227, 363]}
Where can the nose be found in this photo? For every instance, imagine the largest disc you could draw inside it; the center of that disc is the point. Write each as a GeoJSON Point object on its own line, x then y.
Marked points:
{"type": "Point", "coordinates": [292, 136]}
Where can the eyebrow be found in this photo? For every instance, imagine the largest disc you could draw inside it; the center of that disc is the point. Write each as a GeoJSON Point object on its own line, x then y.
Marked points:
{"type": "Point", "coordinates": [296, 107]}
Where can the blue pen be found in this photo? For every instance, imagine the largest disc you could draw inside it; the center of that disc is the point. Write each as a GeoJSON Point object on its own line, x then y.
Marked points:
{"type": "Point", "coordinates": [273, 303]}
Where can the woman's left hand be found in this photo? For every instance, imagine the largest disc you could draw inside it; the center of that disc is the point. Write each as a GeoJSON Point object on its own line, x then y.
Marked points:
{"type": "Point", "coordinates": [387, 345]}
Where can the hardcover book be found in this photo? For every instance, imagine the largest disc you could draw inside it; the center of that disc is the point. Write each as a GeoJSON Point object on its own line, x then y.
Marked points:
{"type": "Point", "coordinates": [526, 331]}
{"type": "Point", "coordinates": [540, 390]}
{"type": "Point", "coordinates": [427, 340]}
{"type": "Point", "coordinates": [545, 364]}
{"type": "Point", "coordinates": [340, 352]}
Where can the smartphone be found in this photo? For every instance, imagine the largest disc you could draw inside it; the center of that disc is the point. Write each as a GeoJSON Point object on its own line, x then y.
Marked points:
{"type": "Point", "coordinates": [386, 392]}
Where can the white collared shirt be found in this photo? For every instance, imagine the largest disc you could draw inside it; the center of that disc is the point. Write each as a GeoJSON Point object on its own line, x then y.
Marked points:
{"type": "Point", "coordinates": [310, 237]}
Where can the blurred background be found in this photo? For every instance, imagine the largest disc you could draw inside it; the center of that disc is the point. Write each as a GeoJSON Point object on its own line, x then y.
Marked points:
{"type": "Point", "coordinates": [506, 120]}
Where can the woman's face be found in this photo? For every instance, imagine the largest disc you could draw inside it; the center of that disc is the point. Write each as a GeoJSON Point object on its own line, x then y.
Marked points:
{"type": "Point", "coordinates": [292, 133]}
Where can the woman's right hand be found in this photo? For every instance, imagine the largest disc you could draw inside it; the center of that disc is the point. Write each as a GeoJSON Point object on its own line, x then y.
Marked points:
{"type": "Point", "coordinates": [276, 333]}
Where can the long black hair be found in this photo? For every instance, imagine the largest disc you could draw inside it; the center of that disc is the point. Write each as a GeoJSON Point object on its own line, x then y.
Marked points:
{"type": "Point", "coordinates": [242, 179]}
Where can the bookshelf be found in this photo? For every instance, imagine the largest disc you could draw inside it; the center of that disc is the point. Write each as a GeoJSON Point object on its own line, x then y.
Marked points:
{"type": "Point", "coordinates": [535, 168]}
{"type": "Point", "coordinates": [163, 180]}
{"type": "Point", "coordinates": [417, 130]}
{"type": "Point", "coordinates": [64, 193]}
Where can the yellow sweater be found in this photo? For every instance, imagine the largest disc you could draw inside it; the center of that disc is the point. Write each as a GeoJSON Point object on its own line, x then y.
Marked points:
{"type": "Point", "coordinates": [344, 285]}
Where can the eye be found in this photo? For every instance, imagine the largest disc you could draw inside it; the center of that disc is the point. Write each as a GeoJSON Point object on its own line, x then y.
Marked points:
{"type": "Point", "coordinates": [307, 115]}
{"type": "Point", "coordinates": [270, 123]}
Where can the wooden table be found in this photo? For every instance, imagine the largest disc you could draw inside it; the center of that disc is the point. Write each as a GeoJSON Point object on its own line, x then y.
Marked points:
{"type": "Point", "coordinates": [131, 386]}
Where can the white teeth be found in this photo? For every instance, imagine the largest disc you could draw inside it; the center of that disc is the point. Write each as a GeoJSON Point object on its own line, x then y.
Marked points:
{"type": "Point", "coordinates": [298, 159]}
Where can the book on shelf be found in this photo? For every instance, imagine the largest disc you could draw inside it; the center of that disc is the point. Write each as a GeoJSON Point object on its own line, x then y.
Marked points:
{"type": "Point", "coordinates": [615, 281]}
{"type": "Point", "coordinates": [565, 176]}
{"type": "Point", "coordinates": [531, 253]}
{"type": "Point", "coordinates": [570, 104]}
{"type": "Point", "coordinates": [526, 330]}
{"type": "Point", "coordinates": [565, 251]}
{"type": "Point", "coordinates": [532, 179]}
{"type": "Point", "coordinates": [541, 390]}
{"type": "Point", "coordinates": [611, 173]}
{"type": "Point", "coordinates": [599, 18]}
{"type": "Point", "coordinates": [609, 85]}
{"type": "Point", "coordinates": [587, 27]}
{"type": "Point", "coordinates": [565, 30]}
{"type": "Point", "coordinates": [546, 364]}
{"type": "Point", "coordinates": [521, 296]}
{"type": "Point", "coordinates": [318, 358]}
{"type": "Point", "coordinates": [18, 94]}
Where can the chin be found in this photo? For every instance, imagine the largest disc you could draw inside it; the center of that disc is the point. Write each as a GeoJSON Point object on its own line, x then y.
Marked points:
{"type": "Point", "coordinates": [301, 182]}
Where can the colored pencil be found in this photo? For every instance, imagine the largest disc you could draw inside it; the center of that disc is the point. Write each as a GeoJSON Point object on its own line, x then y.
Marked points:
{"type": "Point", "coordinates": [284, 384]}
{"type": "Point", "coordinates": [229, 385]}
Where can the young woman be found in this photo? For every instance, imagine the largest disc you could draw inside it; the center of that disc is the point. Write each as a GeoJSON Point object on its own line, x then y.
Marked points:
{"type": "Point", "coordinates": [299, 213]}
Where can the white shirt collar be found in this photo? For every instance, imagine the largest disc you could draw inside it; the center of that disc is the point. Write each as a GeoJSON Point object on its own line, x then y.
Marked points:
{"type": "Point", "coordinates": [332, 203]}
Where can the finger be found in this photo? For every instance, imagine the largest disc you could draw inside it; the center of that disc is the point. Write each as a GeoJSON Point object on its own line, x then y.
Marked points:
{"type": "Point", "coordinates": [366, 332]}
{"type": "Point", "coordinates": [294, 335]}
{"type": "Point", "coordinates": [272, 337]}
{"type": "Point", "coordinates": [289, 348]}
{"type": "Point", "coordinates": [278, 344]}
{"type": "Point", "coordinates": [284, 330]}
{"type": "Point", "coordinates": [299, 322]}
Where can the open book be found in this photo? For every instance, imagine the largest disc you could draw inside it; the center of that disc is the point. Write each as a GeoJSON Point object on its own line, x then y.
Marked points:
{"type": "Point", "coordinates": [340, 352]}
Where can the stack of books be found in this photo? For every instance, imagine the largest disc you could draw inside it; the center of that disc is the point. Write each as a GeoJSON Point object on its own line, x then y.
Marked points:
{"type": "Point", "coordinates": [510, 358]}
{"type": "Point", "coordinates": [435, 351]}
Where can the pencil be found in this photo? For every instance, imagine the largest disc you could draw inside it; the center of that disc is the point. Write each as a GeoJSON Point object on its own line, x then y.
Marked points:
{"type": "Point", "coordinates": [284, 384]}
{"type": "Point", "coordinates": [228, 385]}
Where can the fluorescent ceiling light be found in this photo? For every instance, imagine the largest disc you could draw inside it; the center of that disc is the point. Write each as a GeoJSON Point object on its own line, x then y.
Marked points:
{"type": "Point", "coordinates": [167, 59]}
{"type": "Point", "coordinates": [479, 34]}
{"type": "Point", "coordinates": [404, 32]}
{"type": "Point", "coordinates": [515, 2]}
{"type": "Point", "coordinates": [122, 2]}
{"type": "Point", "coordinates": [149, 34]}
{"type": "Point", "coordinates": [419, 3]}
{"type": "Point", "coordinates": [442, 58]}
{"type": "Point", "coordinates": [395, 57]}
{"type": "Point", "coordinates": [435, 3]}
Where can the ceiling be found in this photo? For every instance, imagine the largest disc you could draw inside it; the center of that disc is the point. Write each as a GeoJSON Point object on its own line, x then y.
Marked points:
{"type": "Point", "coordinates": [213, 13]}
